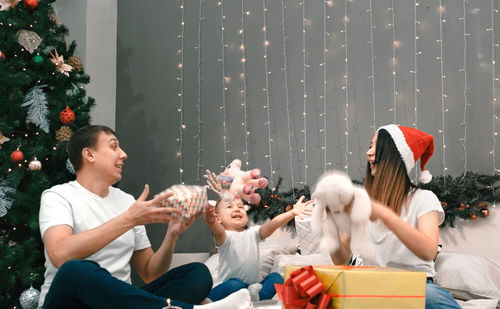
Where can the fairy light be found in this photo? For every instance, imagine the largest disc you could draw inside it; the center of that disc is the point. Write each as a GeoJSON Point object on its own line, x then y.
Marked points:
{"type": "Point", "coordinates": [346, 90]}
{"type": "Point", "coordinates": [244, 78]}
{"type": "Point", "coordinates": [372, 76]}
{"type": "Point", "coordinates": [198, 91]}
{"type": "Point", "coordinates": [494, 79]}
{"type": "Point", "coordinates": [466, 86]}
{"type": "Point", "coordinates": [415, 70]}
{"type": "Point", "coordinates": [224, 86]}
{"type": "Point", "coordinates": [268, 107]}
{"type": "Point", "coordinates": [303, 81]}
{"type": "Point", "coordinates": [395, 44]}
{"type": "Point", "coordinates": [443, 94]}
{"type": "Point", "coordinates": [323, 97]}
{"type": "Point", "coordinates": [182, 126]}
{"type": "Point", "coordinates": [287, 99]}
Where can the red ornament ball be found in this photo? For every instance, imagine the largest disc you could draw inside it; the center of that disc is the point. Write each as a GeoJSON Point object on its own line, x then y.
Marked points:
{"type": "Point", "coordinates": [17, 156]}
{"type": "Point", "coordinates": [473, 216]}
{"type": "Point", "coordinates": [67, 116]}
{"type": "Point", "coordinates": [2, 55]}
{"type": "Point", "coordinates": [31, 4]}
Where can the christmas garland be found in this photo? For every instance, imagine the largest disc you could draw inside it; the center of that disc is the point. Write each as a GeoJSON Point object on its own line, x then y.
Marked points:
{"type": "Point", "coordinates": [466, 196]}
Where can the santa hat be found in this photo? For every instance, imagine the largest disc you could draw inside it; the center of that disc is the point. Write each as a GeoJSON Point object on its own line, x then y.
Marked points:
{"type": "Point", "coordinates": [412, 144]}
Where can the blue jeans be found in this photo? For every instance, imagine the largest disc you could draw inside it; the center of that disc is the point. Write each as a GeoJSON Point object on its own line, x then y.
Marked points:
{"type": "Point", "coordinates": [436, 297]}
{"type": "Point", "coordinates": [84, 284]}
{"type": "Point", "coordinates": [234, 284]}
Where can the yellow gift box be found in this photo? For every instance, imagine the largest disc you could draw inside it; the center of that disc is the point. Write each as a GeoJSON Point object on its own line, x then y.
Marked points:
{"type": "Point", "coordinates": [357, 287]}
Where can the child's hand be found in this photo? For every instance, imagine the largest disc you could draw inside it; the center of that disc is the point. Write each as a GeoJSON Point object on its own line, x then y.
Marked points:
{"type": "Point", "coordinates": [210, 215]}
{"type": "Point", "coordinates": [302, 208]}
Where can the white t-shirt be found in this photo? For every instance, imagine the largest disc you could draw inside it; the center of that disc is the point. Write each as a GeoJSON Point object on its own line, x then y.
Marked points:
{"type": "Point", "coordinates": [239, 256]}
{"type": "Point", "coordinates": [73, 205]}
{"type": "Point", "coordinates": [390, 251]}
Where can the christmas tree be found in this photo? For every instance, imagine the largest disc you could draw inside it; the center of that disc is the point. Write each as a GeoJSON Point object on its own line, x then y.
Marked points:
{"type": "Point", "coordinates": [42, 101]}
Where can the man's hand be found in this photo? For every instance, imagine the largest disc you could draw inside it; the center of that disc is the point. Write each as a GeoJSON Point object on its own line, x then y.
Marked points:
{"type": "Point", "coordinates": [178, 226]}
{"type": "Point", "coordinates": [145, 212]}
{"type": "Point", "coordinates": [302, 208]}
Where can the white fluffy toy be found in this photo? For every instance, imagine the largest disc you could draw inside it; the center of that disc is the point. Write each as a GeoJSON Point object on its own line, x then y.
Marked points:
{"type": "Point", "coordinates": [332, 195]}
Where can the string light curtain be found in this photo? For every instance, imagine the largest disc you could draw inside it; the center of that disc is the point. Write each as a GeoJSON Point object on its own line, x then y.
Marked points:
{"type": "Point", "coordinates": [325, 115]}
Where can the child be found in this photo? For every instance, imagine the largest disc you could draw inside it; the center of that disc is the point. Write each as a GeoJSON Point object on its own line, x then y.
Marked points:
{"type": "Point", "coordinates": [238, 245]}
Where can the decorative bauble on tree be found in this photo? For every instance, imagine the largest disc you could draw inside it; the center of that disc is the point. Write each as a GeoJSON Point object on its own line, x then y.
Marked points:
{"type": "Point", "coordinates": [29, 298]}
{"type": "Point", "coordinates": [3, 139]}
{"type": "Point", "coordinates": [67, 116]}
{"type": "Point", "coordinates": [37, 60]}
{"type": "Point", "coordinates": [2, 55]}
{"type": "Point", "coordinates": [5, 5]}
{"type": "Point", "coordinates": [75, 62]}
{"type": "Point", "coordinates": [29, 40]}
{"type": "Point", "coordinates": [63, 134]}
{"type": "Point", "coordinates": [17, 155]}
{"type": "Point", "coordinates": [31, 4]}
{"type": "Point", "coordinates": [35, 165]}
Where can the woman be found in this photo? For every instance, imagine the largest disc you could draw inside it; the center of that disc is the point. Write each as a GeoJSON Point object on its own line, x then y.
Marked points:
{"type": "Point", "coordinates": [405, 220]}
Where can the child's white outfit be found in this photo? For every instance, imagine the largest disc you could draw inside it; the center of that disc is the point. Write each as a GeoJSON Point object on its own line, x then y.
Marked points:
{"type": "Point", "coordinates": [239, 263]}
{"type": "Point", "coordinates": [239, 256]}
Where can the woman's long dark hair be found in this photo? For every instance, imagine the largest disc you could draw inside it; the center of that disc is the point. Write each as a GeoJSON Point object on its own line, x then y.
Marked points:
{"type": "Point", "coordinates": [391, 183]}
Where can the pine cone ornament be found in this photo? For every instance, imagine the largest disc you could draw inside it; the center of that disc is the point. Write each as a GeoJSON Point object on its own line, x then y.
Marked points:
{"type": "Point", "coordinates": [64, 134]}
{"type": "Point", "coordinates": [482, 205]}
{"type": "Point", "coordinates": [75, 62]}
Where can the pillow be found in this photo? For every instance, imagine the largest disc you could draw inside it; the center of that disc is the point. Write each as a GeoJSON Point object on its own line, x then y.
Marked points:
{"type": "Point", "coordinates": [300, 260]}
{"type": "Point", "coordinates": [267, 257]}
{"type": "Point", "coordinates": [212, 264]}
{"type": "Point", "coordinates": [468, 276]}
{"type": "Point", "coordinates": [308, 241]}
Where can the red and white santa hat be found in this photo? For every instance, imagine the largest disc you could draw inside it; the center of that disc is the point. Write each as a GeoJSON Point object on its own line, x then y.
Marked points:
{"type": "Point", "coordinates": [412, 144]}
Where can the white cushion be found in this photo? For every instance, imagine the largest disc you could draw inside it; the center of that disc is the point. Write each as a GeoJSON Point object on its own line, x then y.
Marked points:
{"type": "Point", "coordinates": [300, 260]}
{"type": "Point", "coordinates": [212, 264]}
{"type": "Point", "coordinates": [468, 276]}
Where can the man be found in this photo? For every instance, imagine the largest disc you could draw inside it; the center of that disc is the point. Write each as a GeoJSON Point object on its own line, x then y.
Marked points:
{"type": "Point", "coordinates": [92, 232]}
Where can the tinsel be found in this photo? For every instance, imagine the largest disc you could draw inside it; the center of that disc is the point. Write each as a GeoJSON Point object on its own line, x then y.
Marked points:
{"type": "Point", "coordinates": [70, 167]}
{"type": "Point", "coordinates": [37, 107]}
{"type": "Point", "coordinates": [6, 201]}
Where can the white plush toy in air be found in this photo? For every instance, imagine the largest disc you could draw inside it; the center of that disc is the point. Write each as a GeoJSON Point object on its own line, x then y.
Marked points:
{"type": "Point", "coordinates": [341, 207]}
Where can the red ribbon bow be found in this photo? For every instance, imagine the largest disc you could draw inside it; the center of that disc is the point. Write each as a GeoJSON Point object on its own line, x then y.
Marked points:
{"type": "Point", "coordinates": [303, 291]}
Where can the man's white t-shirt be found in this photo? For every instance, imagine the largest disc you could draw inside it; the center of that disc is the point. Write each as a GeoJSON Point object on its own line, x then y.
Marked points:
{"type": "Point", "coordinates": [239, 256]}
{"type": "Point", "coordinates": [73, 205]}
{"type": "Point", "coordinates": [390, 251]}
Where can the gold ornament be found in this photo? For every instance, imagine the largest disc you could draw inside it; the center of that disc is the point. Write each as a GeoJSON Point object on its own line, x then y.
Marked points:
{"type": "Point", "coordinates": [3, 139]}
{"type": "Point", "coordinates": [5, 5]}
{"type": "Point", "coordinates": [64, 134]}
{"type": "Point", "coordinates": [75, 62]}
{"type": "Point", "coordinates": [29, 40]}
{"type": "Point", "coordinates": [35, 165]}
{"type": "Point", "coordinates": [59, 62]}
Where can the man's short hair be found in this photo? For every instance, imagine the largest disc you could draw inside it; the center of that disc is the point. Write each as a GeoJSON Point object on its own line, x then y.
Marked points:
{"type": "Point", "coordinates": [85, 137]}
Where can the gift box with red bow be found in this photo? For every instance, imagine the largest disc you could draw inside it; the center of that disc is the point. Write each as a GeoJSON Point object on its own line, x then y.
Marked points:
{"type": "Point", "coordinates": [347, 287]}
{"type": "Point", "coordinates": [192, 200]}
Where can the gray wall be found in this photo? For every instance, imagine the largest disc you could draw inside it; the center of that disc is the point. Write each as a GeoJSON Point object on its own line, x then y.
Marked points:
{"type": "Point", "coordinates": [315, 114]}
{"type": "Point", "coordinates": [92, 24]}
